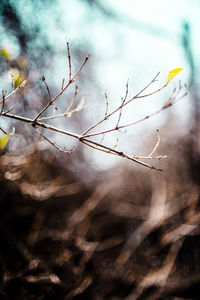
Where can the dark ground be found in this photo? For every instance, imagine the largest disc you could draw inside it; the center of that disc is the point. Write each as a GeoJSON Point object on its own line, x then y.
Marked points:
{"type": "Point", "coordinates": [130, 234]}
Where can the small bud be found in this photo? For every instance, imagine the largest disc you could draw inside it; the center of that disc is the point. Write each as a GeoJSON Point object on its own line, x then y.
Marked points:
{"type": "Point", "coordinates": [23, 84]}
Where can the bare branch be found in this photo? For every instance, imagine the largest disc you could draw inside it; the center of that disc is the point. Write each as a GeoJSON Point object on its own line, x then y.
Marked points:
{"type": "Point", "coordinates": [115, 152]}
{"type": "Point", "coordinates": [119, 108]}
{"type": "Point", "coordinates": [43, 125]}
{"type": "Point", "coordinates": [66, 114]}
{"type": "Point", "coordinates": [62, 91]}
{"type": "Point", "coordinates": [85, 138]}
{"type": "Point", "coordinates": [54, 143]}
{"type": "Point", "coordinates": [14, 91]}
{"type": "Point", "coordinates": [168, 104]}
{"type": "Point", "coordinates": [79, 137]}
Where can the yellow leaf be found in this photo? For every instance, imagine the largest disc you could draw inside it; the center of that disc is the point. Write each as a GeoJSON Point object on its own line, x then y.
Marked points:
{"type": "Point", "coordinates": [17, 77]}
{"type": "Point", "coordinates": [172, 74]}
{"type": "Point", "coordinates": [5, 54]}
{"type": "Point", "coordinates": [4, 141]}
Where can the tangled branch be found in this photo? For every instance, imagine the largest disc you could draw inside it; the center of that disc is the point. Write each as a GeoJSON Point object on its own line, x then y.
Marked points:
{"type": "Point", "coordinates": [86, 137]}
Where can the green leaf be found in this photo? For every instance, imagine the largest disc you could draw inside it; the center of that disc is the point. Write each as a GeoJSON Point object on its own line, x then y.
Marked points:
{"type": "Point", "coordinates": [4, 141]}
{"type": "Point", "coordinates": [5, 54]}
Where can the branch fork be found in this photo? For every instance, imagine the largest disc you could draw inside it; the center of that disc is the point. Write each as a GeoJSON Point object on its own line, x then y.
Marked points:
{"type": "Point", "coordinates": [87, 136]}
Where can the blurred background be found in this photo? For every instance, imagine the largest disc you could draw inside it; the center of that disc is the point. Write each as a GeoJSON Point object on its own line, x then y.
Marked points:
{"type": "Point", "coordinates": [127, 42]}
{"type": "Point", "coordinates": [88, 225]}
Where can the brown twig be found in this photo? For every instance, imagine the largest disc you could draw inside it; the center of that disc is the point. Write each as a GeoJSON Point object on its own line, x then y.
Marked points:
{"type": "Point", "coordinates": [20, 86]}
{"type": "Point", "coordinates": [122, 105]}
{"type": "Point", "coordinates": [62, 91]}
{"type": "Point", "coordinates": [67, 113]}
{"type": "Point", "coordinates": [54, 143]}
{"type": "Point", "coordinates": [106, 111]}
{"type": "Point", "coordinates": [109, 150]}
{"type": "Point", "coordinates": [69, 61]}
{"type": "Point", "coordinates": [166, 105]}
{"type": "Point", "coordinates": [82, 139]}
{"type": "Point", "coordinates": [93, 144]}
{"type": "Point", "coordinates": [63, 82]}
{"type": "Point", "coordinates": [3, 130]}
{"type": "Point", "coordinates": [118, 108]}
{"type": "Point", "coordinates": [73, 100]}
{"type": "Point", "coordinates": [3, 99]}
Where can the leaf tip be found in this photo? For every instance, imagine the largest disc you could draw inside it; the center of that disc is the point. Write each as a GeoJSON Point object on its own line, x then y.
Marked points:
{"type": "Point", "coordinates": [172, 74]}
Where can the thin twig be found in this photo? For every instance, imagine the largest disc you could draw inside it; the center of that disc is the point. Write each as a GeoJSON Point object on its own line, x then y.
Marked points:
{"type": "Point", "coordinates": [79, 137]}
{"type": "Point", "coordinates": [3, 97]}
{"type": "Point", "coordinates": [52, 117]}
{"type": "Point", "coordinates": [2, 109]}
{"type": "Point", "coordinates": [115, 152]}
{"type": "Point", "coordinates": [103, 150]}
{"type": "Point", "coordinates": [156, 146]}
{"type": "Point", "coordinates": [63, 82]}
{"type": "Point", "coordinates": [102, 139]}
{"type": "Point", "coordinates": [48, 91]}
{"type": "Point", "coordinates": [106, 111]}
{"type": "Point", "coordinates": [66, 114]}
{"type": "Point", "coordinates": [73, 100]}
{"type": "Point", "coordinates": [85, 137]}
{"type": "Point", "coordinates": [167, 105]}
{"type": "Point", "coordinates": [53, 143]}
{"type": "Point", "coordinates": [158, 157]}
{"type": "Point", "coordinates": [122, 105]}
{"type": "Point", "coordinates": [118, 108]}
{"type": "Point", "coordinates": [7, 97]}
{"type": "Point", "coordinates": [95, 145]}
{"type": "Point", "coordinates": [20, 86]}
{"type": "Point", "coordinates": [62, 91]}
{"type": "Point", "coordinates": [3, 130]}
{"type": "Point", "coordinates": [8, 133]}
{"type": "Point", "coordinates": [69, 61]}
